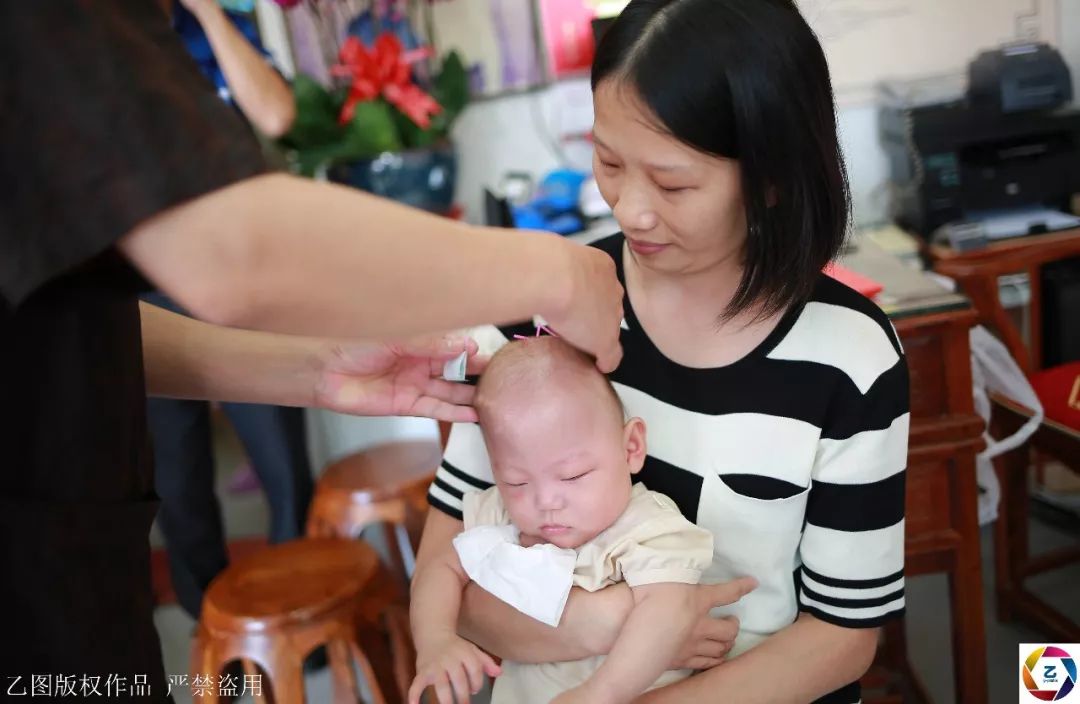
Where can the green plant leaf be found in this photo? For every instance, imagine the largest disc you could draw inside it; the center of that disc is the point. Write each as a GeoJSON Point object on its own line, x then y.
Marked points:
{"type": "Point", "coordinates": [371, 131]}
{"type": "Point", "coordinates": [309, 160]}
{"type": "Point", "coordinates": [412, 136]}
{"type": "Point", "coordinates": [316, 121]}
{"type": "Point", "coordinates": [451, 88]}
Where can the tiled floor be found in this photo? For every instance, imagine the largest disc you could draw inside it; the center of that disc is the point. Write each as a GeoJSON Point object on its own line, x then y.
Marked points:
{"type": "Point", "coordinates": [927, 619]}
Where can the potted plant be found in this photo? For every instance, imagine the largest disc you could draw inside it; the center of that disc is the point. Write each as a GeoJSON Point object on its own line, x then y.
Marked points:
{"type": "Point", "coordinates": [377, 128]}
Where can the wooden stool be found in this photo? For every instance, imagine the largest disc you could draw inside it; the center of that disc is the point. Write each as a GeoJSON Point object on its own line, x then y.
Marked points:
{"type": "Point", "coordinates": [386, 486]}
{"type": "Point", "coordinates": [271, 609]}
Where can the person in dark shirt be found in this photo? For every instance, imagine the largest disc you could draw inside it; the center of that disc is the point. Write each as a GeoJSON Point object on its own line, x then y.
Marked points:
{"type": "Point", "coordinates": [225, 46]}
{"type": "Point", "coordinates": [121, 170]}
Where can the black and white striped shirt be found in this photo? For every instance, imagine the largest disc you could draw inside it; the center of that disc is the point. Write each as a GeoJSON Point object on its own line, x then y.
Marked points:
{"type": "Point", "coordinates": [793, 457]}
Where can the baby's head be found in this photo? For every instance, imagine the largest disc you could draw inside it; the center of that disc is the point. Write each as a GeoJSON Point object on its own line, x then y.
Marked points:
{"type": "Point", "coordinates": [561, 452]}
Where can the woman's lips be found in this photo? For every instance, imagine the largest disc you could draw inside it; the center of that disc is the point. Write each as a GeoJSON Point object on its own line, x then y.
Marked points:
{"type": "Point", "coordinates": [643, 247]}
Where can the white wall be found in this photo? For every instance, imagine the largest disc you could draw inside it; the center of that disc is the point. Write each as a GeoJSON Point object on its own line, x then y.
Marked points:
{"type": "Point", "coordinates": [496, 136]}
{"type": "Point", "coordinates": [509, 134]}
{"type": "Point", "coordinates": [866, 162]}
{"type": "Point", "coordinates": [513, 134]}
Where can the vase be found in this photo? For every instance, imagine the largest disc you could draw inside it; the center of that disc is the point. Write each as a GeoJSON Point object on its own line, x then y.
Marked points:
{"type": "Point", "coordinates": [422, 178]}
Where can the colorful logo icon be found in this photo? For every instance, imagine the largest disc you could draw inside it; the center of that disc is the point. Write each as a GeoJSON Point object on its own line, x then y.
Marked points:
{"type": "Point", "coordinates": [1049, 673]}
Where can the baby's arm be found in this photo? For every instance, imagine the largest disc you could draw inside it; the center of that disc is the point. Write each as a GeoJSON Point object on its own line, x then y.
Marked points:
{"type": "Point", "coordinates": [661, 621]}
{"type": "Point", "coordinates": [444, 660]}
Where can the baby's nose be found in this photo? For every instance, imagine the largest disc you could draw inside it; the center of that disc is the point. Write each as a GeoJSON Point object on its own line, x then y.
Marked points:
{"type": "Point", "coordinates": [549, 500]}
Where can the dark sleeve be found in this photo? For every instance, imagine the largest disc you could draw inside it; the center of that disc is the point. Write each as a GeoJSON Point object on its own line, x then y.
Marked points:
{"type": "Point", "coordinates": [106, 122]}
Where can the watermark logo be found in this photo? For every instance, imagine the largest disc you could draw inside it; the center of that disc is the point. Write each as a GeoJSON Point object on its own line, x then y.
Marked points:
{"type": "Point", "coordinates": [1048, 672]}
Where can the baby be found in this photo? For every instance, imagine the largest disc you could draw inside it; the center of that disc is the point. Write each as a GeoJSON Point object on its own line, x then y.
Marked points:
{"type": "Point", "coordinates": [563, 512]}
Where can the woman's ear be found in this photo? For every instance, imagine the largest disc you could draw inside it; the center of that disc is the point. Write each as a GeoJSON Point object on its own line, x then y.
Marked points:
{"type": "Point", "coordinates": [634, 442]}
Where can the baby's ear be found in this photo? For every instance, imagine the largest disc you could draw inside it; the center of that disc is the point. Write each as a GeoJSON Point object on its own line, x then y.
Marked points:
{"type": "Point", "coordinates": [634, 442]}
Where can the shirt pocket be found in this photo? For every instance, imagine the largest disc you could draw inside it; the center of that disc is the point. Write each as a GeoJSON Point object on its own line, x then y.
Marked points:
{"type": "Point", "coordinates": [752, 535]}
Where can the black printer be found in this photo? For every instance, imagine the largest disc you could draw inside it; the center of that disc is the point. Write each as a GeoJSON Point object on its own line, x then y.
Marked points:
{"type": "Point", "coordinates": [1012, 140]}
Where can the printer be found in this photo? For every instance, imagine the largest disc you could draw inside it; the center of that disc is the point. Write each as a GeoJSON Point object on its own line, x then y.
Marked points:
{"type": "Point", "coordinates": [1008, 139]}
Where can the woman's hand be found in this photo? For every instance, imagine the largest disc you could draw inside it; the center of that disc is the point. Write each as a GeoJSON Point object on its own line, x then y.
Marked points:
{"type": "Point", "coordinates": [712, 638]}
{"type": "Point", "coordinates": [396, 379]}
{"type": "Point", "coordinates": [590, 317]}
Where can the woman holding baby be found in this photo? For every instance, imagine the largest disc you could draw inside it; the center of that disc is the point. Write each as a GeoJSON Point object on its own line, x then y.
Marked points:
{"type": "Point", "coordinates": [766, 401]}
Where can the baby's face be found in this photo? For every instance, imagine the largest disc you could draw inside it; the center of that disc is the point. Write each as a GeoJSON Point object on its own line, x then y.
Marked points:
{"type": "Point", "coordinates": [562, 462]}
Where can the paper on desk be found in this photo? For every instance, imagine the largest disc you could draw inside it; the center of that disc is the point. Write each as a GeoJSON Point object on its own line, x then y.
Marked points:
{"type": "Point", "coordinates": [905, 289]}
{"type": "Point", "coordinates": [1016, 222]}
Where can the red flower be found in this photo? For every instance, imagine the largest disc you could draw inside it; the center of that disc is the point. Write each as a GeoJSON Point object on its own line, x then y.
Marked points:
{"type": "Point", "coordinates": [383, 70]}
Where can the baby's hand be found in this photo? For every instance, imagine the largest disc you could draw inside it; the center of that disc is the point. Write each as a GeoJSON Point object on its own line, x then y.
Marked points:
{"type": "Point", "coordinates": [453, 666]}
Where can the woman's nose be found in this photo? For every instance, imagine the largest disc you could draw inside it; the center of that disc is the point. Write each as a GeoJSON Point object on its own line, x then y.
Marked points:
{"type": "Point", "coordinates": [634, 211]}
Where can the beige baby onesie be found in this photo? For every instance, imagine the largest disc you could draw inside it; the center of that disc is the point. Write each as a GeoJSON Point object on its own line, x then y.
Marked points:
{"type": "Point", "coordinates": [651, 542]}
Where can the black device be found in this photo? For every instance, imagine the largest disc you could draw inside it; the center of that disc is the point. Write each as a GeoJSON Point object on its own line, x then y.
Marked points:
{"type": "Point", "coordinates": [497, 211]}
{"type": "Point", "coordinates": [1061, 312]}
{"type": "Point", "coordinates": [1004, 141]}
{"type": "Point", "coordinates": [1019, 77]}
{"type": "Point", "coordinates": [949, 159]}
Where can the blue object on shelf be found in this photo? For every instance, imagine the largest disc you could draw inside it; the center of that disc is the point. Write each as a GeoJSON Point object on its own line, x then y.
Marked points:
{"type": "Point", "coordinates": [560, 190]}
{"type": "Point", "coordinates": [555, 206]}
{"type": "Point", "coordinates": [527, 217]}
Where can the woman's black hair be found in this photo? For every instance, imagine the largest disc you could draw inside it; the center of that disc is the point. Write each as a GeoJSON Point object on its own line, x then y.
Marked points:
{"type": "Point", "coordinates": [747, 80]}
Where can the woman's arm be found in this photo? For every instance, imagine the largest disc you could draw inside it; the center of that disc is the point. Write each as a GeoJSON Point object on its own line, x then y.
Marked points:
{"type": "Point", "coordinates": [589, 626]}
{"type": "Point", "coordinates": [286, 254]}
{"type": "Point", "coordinates": [260, 93]}
{"type": "Point", "coordinates": [187, 358]}
{"type": "Point", "coordinates": [814, 657]}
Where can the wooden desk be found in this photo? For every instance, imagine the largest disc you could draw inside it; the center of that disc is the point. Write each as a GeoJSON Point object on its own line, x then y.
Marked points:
{"type": "Point", "coordinates": [942, 514]}
{"type": "Point", "coordinates": [977, 272]}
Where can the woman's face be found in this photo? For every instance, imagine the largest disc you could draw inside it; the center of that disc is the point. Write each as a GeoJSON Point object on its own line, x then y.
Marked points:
{"type": "Point", "coordinates": [680, 209]}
